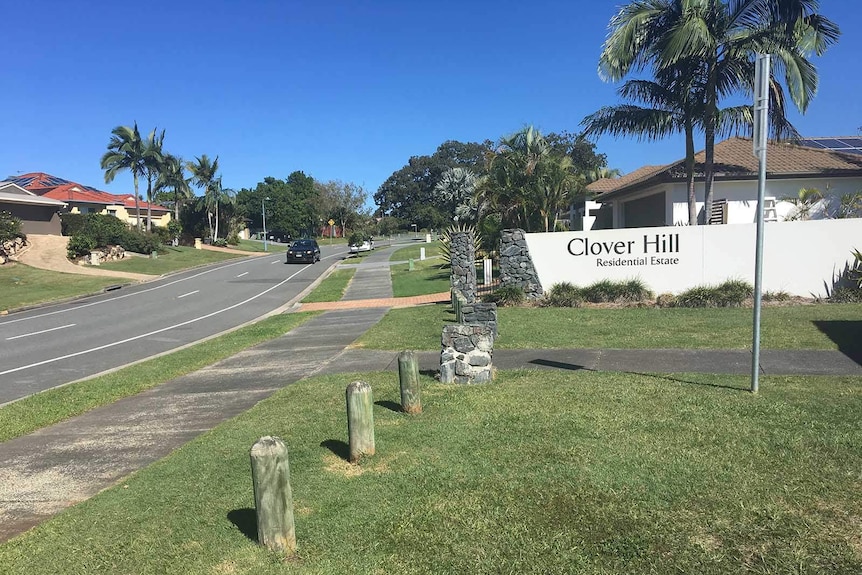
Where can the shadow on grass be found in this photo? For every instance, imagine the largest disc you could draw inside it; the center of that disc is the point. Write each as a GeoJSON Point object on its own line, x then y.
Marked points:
{"type": "Point", "coordinates": [846, 334]}
{"type": "Point", "coordinates": [559, 364]}
{"type": "Point", "coordinates": [338, 447]}
{"type": "Point", "coordinates": [432, 373]}
{"type": "Point", "coordinates": [245, 520]}
{"type": "Point", "coordinates": [390, 405]}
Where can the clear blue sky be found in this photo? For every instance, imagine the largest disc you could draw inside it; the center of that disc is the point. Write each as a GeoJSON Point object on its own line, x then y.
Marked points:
{"type": "Point", "coordinates": [338, 89]}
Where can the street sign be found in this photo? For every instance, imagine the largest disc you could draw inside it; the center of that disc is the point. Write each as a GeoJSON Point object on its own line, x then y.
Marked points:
{"type": "Point", "coordinates": [331, 222]}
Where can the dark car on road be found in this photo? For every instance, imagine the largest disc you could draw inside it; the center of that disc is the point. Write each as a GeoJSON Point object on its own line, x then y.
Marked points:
{"type": "Point", "coordinates": [303, 251]}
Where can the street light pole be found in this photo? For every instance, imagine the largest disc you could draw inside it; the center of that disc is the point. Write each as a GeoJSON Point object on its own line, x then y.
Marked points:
{"type": "Point", "coordinates": [263, 212]}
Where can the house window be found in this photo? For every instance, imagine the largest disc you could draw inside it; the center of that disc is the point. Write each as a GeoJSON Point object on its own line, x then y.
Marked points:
{"type": "Point", "coordinates": [112, 212]}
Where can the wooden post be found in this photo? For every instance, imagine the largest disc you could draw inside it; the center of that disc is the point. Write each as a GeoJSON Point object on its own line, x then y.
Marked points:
{"type": "Point", "coordinates": [273, 498]}
{"type": "Point", "coordinates": [408, 377]}
{"type": "Point", "coordinates": [360, 420]}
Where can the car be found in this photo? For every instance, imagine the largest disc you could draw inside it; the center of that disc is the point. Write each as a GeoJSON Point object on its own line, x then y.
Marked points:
{"type": "Point", "coordinates": [278, 236]}
{"type": "Point", "coordinates": [305, 250]}
{"type": "Point", "coordinates": [364, 246]}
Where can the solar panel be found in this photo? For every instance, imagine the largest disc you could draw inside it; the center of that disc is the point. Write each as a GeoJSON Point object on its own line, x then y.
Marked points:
{"type": "Point", "coordinates": [847, 145]}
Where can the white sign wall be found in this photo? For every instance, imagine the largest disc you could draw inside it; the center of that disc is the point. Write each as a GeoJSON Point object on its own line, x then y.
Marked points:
{"type": "Point", "coordinates": [800, 258]}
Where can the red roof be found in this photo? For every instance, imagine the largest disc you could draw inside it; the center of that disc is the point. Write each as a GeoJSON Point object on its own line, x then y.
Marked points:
{"type": "Point", "coordinates": [49, 186]}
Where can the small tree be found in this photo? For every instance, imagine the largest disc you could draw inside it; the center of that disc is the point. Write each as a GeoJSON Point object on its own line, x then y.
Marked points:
{"type": "Point", "coordinates": [10, 227]}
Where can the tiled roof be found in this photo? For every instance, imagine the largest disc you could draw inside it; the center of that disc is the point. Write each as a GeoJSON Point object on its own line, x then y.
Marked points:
{"type": "Point", "coordinates": [734, 159]}
{"type": "Point", "coordinates": [49, 186]}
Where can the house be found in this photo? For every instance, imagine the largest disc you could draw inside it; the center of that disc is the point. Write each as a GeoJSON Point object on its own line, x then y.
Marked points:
{"type": "Point", "coordinates": [657, 196]}
{"type": "Point", "coordinates": [81, 199]}
{"type": "Point", "coordinates": [38, 215]}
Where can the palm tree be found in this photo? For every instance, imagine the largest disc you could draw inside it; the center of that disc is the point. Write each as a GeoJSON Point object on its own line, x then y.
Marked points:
{"type": "Point", "coordinates": [557, 182]}
{"type": "Point", "coordinates": [204, 176]}
{"type": "Point", "coordinates": [724, 37]}
{"type": "Point", "coordinates": [153, 166]}
{"type": "Point", "coordinates": [126, 151]}
{"type": "Point", "coordinates": [173, 177]}
{"type": "Point", "coordinates": [457, 187]}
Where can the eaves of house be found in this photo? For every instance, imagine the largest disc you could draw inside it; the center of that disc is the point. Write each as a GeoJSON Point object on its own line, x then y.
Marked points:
{"type": "Point", "coordinates": [734, 161]}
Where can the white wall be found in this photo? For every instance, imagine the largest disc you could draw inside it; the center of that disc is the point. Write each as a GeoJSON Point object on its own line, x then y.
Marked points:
{"type": "Point", "coordinates": [800, 258]}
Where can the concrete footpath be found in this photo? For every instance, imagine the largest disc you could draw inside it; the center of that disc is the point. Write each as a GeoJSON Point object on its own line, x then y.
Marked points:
{"type": "Point", "coordinates": [45, 472]}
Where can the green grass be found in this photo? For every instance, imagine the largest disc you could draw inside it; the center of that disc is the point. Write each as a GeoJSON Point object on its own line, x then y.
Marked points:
{"type": "Point", "coordinates": [174, 259]}
{"type": "Point", "coordinates": [22, 285]}
{"type": "Point", "coordinates": [428, 276]}
{"type": "Point", "coordinates": [257, 246]}
{"type": "Point", "coordinates": [821, 326]}
{"type": "Point", "coordinates": [402, 254]}
{"type": "Point", "coordinates": [332, 288]}
{"type": "Point", "coordinates": [55, 405]}
{"type": "Point", "coordinates": [539, 472]}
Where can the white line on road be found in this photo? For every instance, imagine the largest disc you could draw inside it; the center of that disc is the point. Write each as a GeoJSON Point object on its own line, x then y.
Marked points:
{"type": "Point", "coordinates": [164, 329]}
{"type": "Point", "coordinates": [38, 332]}
{"type": "Point", "coordinates": [187, 294]}
{"type": "Point", "coordinates": [242, 274]}
{"type": "Point", "coordinates": [275, 262]}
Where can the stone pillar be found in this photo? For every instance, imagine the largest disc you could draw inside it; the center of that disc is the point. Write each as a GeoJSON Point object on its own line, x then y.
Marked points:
{"type": "Point", "coordinates": [466, 354]}
{"type": "Point", "coordinates": [463, 262]}
{"type": "Point", "coordinates": [516, 266]}
{"type": "Point", "coordinates": [480, 313]}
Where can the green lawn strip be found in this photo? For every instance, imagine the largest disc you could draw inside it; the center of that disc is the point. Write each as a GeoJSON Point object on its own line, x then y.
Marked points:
{"type": "Point", "coordinates": [818, 326]}
{"type": "Point", "coordinates": [428, 276]}
{"type": "Point", "coordinates": [174, 259]}
{"type": "Point", "coordinates": [55, 405]}
{"type": "Point", "coordinates": [539, 472]}
{"type": "Point", "coordinates": [332, 288]}
{"type": "Point", "coordinates": [257, 246]}
{"type": "Point", "coordinates": [412, 252]}
{"type": "Point", "coordinates": [22, 285]}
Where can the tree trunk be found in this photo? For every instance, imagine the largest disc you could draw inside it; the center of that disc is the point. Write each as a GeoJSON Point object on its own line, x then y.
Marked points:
{"type": "Point", "coordinates": [709, 147]}
{"type": "Point", "coordinates": [408, 377]}
{"type": "Point", "coordinates": [149, 204]}
{"type": "Point", "coordinates": [273, 497]}
{"type": "Point", "coordinates": [360, 420]}
{"type": "Point", "coordinates": [137, 203]}
{"type": "Point", "coordinates": [689, 173]}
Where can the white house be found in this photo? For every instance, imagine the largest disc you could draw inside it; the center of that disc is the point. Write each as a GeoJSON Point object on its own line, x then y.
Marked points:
{"type": "Point", "coordinates": [657, 196]}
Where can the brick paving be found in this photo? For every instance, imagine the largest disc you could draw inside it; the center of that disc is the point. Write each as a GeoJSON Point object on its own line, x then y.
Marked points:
{"type": "Point", "coordinates": [392, 302]}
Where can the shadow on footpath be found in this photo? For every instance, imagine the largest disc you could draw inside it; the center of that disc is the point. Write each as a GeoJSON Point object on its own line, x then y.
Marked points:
{"type": "Point", "coordinates": [846, 334]}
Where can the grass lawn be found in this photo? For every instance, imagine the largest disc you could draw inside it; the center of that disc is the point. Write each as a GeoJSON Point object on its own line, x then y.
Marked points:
{"type": "Point", "coordinates": [257, 246]}
{"type": "Point", "coordinates": [174, 259]}
{"type": "Point", "coordinates": [332, 288]}
{"type": "Point", "coordinates": [52, 406]}
{"type": "Point", "coordinates": [428, 276]}
{"type": "Point", "coordinates": [821, 326]}
{"type": "Point", "coordinates": [22, 285]}
{"type": "Point", "coordinates": [401, 254]}
{"type": "Point", "coordinates": [539, 472]}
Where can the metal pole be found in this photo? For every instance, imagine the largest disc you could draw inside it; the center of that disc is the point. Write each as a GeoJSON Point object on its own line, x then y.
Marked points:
{"type": "Point", "coordinates": [263, 211]}
{"type": "Point", "coordinates": [761, 129]}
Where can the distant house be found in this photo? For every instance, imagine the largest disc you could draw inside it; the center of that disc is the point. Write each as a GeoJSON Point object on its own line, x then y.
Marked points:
{"type": "Point", "coordinates": [657, 196]}
{"type": "Point", "coordinates": [38, 215]}
{"type": "Point", "coordinates": [81, 199]}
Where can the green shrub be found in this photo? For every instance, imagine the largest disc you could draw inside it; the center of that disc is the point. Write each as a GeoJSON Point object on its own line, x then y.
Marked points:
{"type": "Point", "coordinates": [163, 234]}
{"type": "Point", "coordinates": [666, 300]}
{"type": "Point", "coordinates": [563, 295]}
{"type": "Point", "coordinates": [780, 295]}
{"type": "Point", "coordinates": [731, 293]}
{"type": "Point", "coordinates": [10, 227]}
{"type": "Point", "coordinates": [220, 243]}
{"type": "Point", "coordinates": [506, 296]}
{"type": "Point", "coordinates": [623, 291]}
{"type": "Point", "coordinates": [233, 239]}
{"type": "Point", "coordinates": [80, 245]}
{"type": "Point", "coordinates": [846, 294]}
{"type": "Point", "coordinates": [140, 242]}
{"type": "Point", "coordinates": [71, 224]}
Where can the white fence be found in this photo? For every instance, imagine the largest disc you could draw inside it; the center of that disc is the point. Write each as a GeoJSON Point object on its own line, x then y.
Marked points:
{"type": "Point", "coordinates": [800, 258]}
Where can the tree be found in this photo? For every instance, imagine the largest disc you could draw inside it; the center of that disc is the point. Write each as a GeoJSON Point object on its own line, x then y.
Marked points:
{"type": "Point", "coordinates": [723, 37]}
{"type": "Point", "coordinates": [343, 202]}
{"type": "Point", "coordinates": [458, 187]}
{"type": "Point", "coordinates": [409, 193]}
{"type": "Point", "coordinates": [153, 166]}
{"type": "Point", "coordinates": [126, 151]}
{"type": "Point", "coordinates": [204, 176]}
{"type": "Point", "coordinates": [172, 177]}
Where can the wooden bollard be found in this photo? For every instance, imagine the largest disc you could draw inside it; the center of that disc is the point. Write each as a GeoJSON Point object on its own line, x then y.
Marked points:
{"type": "Point", "coordinates": [273, 498]}
{"type": "Point", "coordinates": [360, 420]}
{"type": "Point", "coordinates": [408, 377]}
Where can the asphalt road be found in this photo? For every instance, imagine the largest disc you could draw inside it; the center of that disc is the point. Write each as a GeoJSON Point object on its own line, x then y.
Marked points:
{"type": "Point", "coordinates": [55, 345]}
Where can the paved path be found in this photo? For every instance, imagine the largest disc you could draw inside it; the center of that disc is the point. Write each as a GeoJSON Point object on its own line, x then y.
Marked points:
{"type": "Point", "coordinates": [48, 252]}
{"type": "Point", "coordinates": [56, 467]}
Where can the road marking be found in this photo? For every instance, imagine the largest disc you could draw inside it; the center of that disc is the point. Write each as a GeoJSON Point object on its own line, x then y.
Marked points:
{"type": "Point", "coordinates": [242, 274]}
{"type": "Point", "coordinates": [275, 262]}
{"type": "Point", "coordinates": [38, 332]}
{"type": "Point", "coordinates": [186, 294]}
{"type": "Point", "coordinates": [221, 267]}
{"type": "Point", "coordinates": [162, 330]}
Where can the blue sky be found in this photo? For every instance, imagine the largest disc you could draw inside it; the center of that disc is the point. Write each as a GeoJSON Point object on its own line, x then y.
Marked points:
{"type": "Point", "coordinates": [338, 89]}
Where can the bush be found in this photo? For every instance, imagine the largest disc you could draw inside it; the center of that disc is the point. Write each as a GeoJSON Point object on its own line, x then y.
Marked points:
{"type": "Point", "coordinates": [846, 294]}
{"type": "Point", "coordinates": [80, 245]}
{"type": "Point", "coordinates": [140, 242]}
{"type": "Point", "coordinates": [233, 239]}
{"type": "Point", "coordinates": [775, 296]}
{"type": "Point", "coordinates": [563, 295]}
{"type": "Point", "coordinates": [620, 292]}
{"type": "Point", "coordinates": [506, 296]}
{"type": "Point", "coordinates": [219, 243]}
{"type": "Point", "coordinates": [10, 227]}
{"type": "Point", "coordinates": [163, 234]}
{"type": "Point", "coordinates": [666, 300]}
{"type": "Point", "coordinates": [72, 224]}
{"type": "Point", "coordinates": [731, 293]}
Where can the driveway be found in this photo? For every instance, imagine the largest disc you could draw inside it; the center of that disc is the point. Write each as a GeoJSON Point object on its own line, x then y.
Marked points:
{"type": "Point", "coordinates": [48, 252]}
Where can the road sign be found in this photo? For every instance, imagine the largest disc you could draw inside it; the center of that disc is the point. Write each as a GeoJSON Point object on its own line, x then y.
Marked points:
{"type": "Point", "coordinates": [330, 222]}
